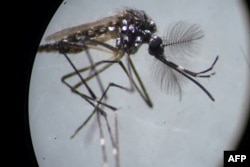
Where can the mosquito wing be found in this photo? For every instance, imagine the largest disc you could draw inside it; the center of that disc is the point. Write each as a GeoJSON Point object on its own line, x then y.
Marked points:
{"type": "Point", "coordinates": [95, 28]}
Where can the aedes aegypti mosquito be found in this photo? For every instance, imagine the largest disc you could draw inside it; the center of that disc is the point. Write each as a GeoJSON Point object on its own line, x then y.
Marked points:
{"type": "Point", "coordinates": [130, 28]}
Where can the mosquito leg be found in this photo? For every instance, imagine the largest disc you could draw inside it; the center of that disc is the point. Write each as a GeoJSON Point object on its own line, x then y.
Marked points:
{"type": "Point", "coordinates": [98, 111]}
{"type": "Point", "coordinates": [92, 102]}
{"type": "Point", "coordinates": [88, 99]}
{"type": "Point", "coordinates": [129, 70]}
{"type": "Point", "coordinates": [83, 81]}
{"type": "Point", "coordinates": [117, 138]}
{"type": "Point", "coordinates": [198, 74]}
{"type": "Point", "coordinates": [114, 142]}
{"type": "Point", "coordinates": [73, 88]}
{"type": "Point", "coordinates": [79, 75]}
{"type": "Point", "coordinates": [89, 117]}
{"type": "Point", "coordinates": [209, 69]}
{"type": "Point", "coordinates": [143, 93]}
{"type": "Point", "coordinates": [93, 97]}
{"type": "Point", "coordinates": [102, 140]}
{"type": "Point", "coordinates": [182, 71]}
{"type": "Point", "coordinates": [94, 70]}
{"type": "Point", "coordinates": [92, 67]}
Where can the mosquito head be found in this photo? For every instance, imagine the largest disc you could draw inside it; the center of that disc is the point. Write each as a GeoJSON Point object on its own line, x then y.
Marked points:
{"type": "Point", "coordinates": [155, 46]}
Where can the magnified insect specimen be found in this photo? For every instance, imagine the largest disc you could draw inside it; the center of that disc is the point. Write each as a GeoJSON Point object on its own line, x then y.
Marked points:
{"type": "Point", "coordinates": [129, 28]}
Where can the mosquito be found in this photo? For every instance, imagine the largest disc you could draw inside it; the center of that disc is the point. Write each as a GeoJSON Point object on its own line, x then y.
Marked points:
{"type": "Point", "coordinates": [129, 28]}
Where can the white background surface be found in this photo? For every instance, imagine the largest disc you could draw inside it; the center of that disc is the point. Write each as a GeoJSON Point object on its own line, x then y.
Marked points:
{"type": "Point", "coordinates": [192, 132]}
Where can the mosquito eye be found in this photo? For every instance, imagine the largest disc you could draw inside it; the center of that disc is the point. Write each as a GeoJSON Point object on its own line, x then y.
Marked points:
{"type": "Point", "coordinates": [155, 46]}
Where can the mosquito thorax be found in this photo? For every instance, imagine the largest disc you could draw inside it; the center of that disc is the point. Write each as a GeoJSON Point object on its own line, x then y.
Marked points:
{"type": "Point", "coordinates": [135, 29]}
{"type": "Point", "coordinates": [155, 46]}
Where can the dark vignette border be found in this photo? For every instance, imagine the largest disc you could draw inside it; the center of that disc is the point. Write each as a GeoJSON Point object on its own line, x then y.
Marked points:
{"type": "Point", "coordinates": [30, 21]}
{"type": "Point", "coordinates": [35, 16]}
